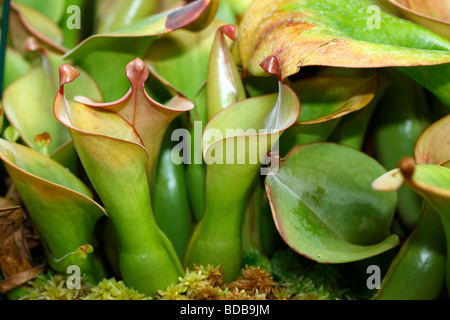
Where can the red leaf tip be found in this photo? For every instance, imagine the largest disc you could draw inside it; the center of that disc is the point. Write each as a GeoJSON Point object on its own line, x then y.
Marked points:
{"type": "Point", "coordinates": [137, 71]}
{"type": "Point", "coordinates": [229, 30]}
{"type": "Point", "coordinates": [271, 65]}
{"type": "Point", "coordinates": [67, 74]}
{"type": "Point", "coordinates": [186, 15]}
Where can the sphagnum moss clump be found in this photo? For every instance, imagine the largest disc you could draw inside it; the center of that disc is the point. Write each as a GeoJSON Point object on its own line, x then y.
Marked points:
{"type": "Point", "coordinates": [53, 286]}
{"type": "Point", "coordinates": [200, 283]}
{"type": "Point", "coordinates": [110, 289]}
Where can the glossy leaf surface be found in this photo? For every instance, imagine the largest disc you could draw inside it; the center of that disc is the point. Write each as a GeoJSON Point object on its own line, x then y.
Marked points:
{"type": "Point", "coordinates": [153, 25]}
{"type": "Point", "coordinates": [224, 86]}
{"type": "Point", "coordinates": [331, 218]}
{"type": "Point", "coordinates": [115, 159]}
{"type": "Point", "coordinates": [183, 52]}
{"type": "Point", "coordinates": [60, 205]}
{"type": "Point", "coordinates": [235, 144]}
{"type": "Point", "coordinates": [306, 32]}
{"type": "Point", "coordinates": [149, 118]}
{"type": "Point", "coordinates": [418, 271]}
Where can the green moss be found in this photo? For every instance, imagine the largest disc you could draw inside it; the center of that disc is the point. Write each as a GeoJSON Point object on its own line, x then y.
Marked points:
{"type": "Point", "coordinates": [110, 289]}
{"type": "Point", "coordinates": [53, 286]}
{"type": "Point", "coordinates": [307, 280]}
{"type": "Point", "coordinates": [291, 279]}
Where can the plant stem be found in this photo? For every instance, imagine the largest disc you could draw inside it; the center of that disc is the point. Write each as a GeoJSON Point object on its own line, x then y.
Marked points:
{"type": "Point", "coordinates": [217, 238]}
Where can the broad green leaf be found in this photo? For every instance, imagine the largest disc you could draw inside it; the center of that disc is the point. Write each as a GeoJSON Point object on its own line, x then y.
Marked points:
{"type": "Point", "coordinates": [25, 21]}
{"type": "Point", "coordinates": [102, 54]}
{"type": "Point", "coordinates": [115, 160]}
{"type": "Point", "coordinates": [432, 14]}
{"type": "Point", "coordinates": [149, 118]}
{"type": "Point", "coordinates": [235, 144]}
{"type": "Point", "coordinates": [124, 39]}
{"type": "Point", "coordinates": [183, 52]}
{"type": "Point", "coordinates": [433, 145]}
{"type": "Point", "coordinates": [331, 218]}
{"type": "Point", "coordinates": [53, 9]}
{"type": "Point", "coordinates": [307, 32]}
{"type": "Point", "coordinates": [60, 205]}
{"type": "Point", "coordinates": [32, 113]}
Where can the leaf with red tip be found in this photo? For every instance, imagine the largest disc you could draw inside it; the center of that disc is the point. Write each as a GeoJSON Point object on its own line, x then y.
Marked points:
{"type": "Point", "coordinates": [130, 39]}
{"type": "Point", "coordinates": [149, 118]}
{"type": "Point", "coordinates": [183, 52]}
{"type": "Point", "coordinates": [432, 14]}
{"type": "Point", "coordinates": [236, 142]}
{"type": "Point", "coordinates": [311, 33]}
{"type": "Point", "coordinates": [224, 86]}
{"type": "Point", "coordinates": [116, 162]}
